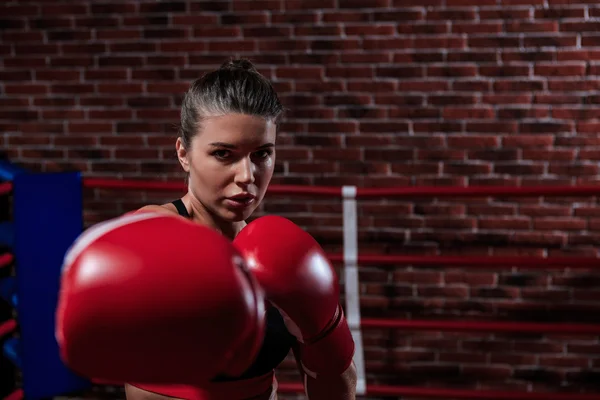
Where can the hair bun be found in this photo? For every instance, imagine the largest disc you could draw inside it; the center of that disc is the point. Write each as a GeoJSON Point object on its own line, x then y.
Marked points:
{"type": "Point", "coordinates": [238, 64]}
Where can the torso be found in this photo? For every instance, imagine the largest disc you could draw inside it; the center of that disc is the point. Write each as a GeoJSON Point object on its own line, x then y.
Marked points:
{"type": "Point", "coordinates": [276, 346]}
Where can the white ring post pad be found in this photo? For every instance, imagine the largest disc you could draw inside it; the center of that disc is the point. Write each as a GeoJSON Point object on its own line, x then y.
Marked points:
{"type": "Point", "coordinates": [351, 281]}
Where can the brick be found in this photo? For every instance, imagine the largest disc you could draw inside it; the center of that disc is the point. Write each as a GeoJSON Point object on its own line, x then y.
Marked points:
{"type": "Point", "coordinates": [271, 5]}
{"type": "Point", "coordinates": [472, 85]}
{"type": "Point", "coordinates": [307, 5]}
{"type": "Point", "coordinates": [25, 89]}
{"type": "Point", "coordinates": [557, 40]}
{"type": "Point", "coordinates": [50, 23]}
{"type": "Point", "coordinates": [467, 168]}
{"type": "Point", "coordinates": [560, 99]}
{"type": "Point", "coordinates": [505, 70]}
{"type": "Point", "coordinates": [417, 85]}
{"type": "Point", "coordinates": [455, 56]}
{"type": "Point", "coordinates": [361, 112]}
{"type": "Point", "coordinates": [534, 238]}
{"type": "Point", "coordinates": [574, 170]}
{"type": "Point", "coordinates": [14, 37]}
{"type": "Point", "coordinates": [414, 113]}
{"type": "Point", "coordinates": [515, 223]}
{"type": "Point", "coordinates": [559, 13]}
{"type": "Point", "coordinates": [360, 58]}
{"type": "Point", "coordinates": [432, 127]}
{"type": "Point", "coordinates": [467, 113]}
{"type": "Point", "coordinates": [386, 44]}
{"type": "Point", "coordinates": [112, 8]}
{"type": "Point", "coordinates": [560, 85]}
{"type": "Point", "coordinates": [62, 114]}
{"type": "Point", "coordinates": [527, 56]}
{"type": "Point", "coordinates": [495, 127]}
{"type": "Point", "coordinates": [417, 277]}
{"type": "Point", "coordinates": [545, 127]}
{"type": "Point", "coordinates": [448, 99]}
{"type": "Point", "coordinates": [147, 20]}
{"type": "Point", "coordinates": [452, 71]}
{"type": "Point", "coordinates": [120, 88]}
{"type": "Point", "coordinates": [444, 42]}
{"type": "Point", "coordinates": [423, 29]}
{"type": "Point", "coordinates": [549, 155]}
{"type": "Point", "coordinates": [440, 209]}
{"type": "Point", "coordinates": [564, 361]}
{"type": "Point", "coordinates": [470, 278]}
{"type": "Point", "coordinates": [416, 168]}
{"type": "Point", "coordinates": [452, 15]}
{"type": "Point", "coordinates": [574, 113]}
{"type": "Point", "coordinates": [90, 127]}
{"type": "Point", "coordinates": [517, 86]}
{"type": "Point", "coordinates": [364, 3]}
{"type": "Point", "coordinates": [477, 28]}
{"type": "Point", "coordinates": [69, 35]}
{"type": "Point", "coordinates": [454, 291]}
{"type": "Point", "coordinates": [396, 16]}
{"type": "Point", "coordinates": [119, 61]}
{"type": "Point", "coordinates": [388, 154]}
{"type": "Point", "coordinates": [379, 127]}
{"type": "Point", "coordinates": [533, 26]}
{"type": "Point", "coordinates": [545, 210]}
{"type": "Point", "coordinates": [418, 57]}
{"type": "Point", "coordinates": [577, 55]}
{"type": "Point", "coordinates": [559, 70]}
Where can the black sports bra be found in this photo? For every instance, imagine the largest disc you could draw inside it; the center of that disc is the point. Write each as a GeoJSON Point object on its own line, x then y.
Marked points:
{"type": "Point", "coordinates": [277, 341]}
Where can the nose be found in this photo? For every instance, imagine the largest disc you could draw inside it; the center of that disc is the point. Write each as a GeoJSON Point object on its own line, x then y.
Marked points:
{"type": "Point", "coordinates": [244, 175]}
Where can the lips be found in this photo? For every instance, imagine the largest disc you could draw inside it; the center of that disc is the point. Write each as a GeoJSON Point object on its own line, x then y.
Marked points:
{"type": "Point", "coordinates": [242, 197]}
{"type": "Point", "coordinates": [241, 200]}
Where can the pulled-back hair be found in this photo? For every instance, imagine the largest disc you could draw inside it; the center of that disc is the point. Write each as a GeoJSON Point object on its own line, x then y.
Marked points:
{"type": "Point", "coordinates": [235, 87]}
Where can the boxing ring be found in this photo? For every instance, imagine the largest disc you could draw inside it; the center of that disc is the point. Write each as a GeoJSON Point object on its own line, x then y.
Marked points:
{"type": "Point", "coordinates": [29, 342]}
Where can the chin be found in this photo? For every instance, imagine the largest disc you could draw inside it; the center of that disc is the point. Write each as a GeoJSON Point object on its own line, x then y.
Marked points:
{"type": "Point", "coordinates": [236, 216]}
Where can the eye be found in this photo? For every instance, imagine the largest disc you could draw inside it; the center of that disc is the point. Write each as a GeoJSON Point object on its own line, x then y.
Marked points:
{"type": "Point", "coordinates": [263, 153]}
{"type": "Point", "coordinates": [221, 154]}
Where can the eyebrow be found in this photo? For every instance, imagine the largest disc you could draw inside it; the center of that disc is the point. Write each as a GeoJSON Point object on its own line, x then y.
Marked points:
{"type": "Point", "coordinates": [231, 146]}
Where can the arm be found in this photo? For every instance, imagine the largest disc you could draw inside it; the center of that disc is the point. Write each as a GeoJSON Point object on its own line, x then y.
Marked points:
{"type": "Point", "coordinates": [154, 208]}
{"type": "Point", "coordinates": [337, 387]}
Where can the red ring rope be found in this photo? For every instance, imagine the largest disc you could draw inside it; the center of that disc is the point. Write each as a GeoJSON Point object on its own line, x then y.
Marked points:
{"type": "Point", "coordinates": [16, 395]}
{"type": "Point", "coordinates": [5, 188]}
{"type": "Point", "coordinates": [6, 260]}
{"type": "Point", "coordinates": [7, 327]}
{"type": "Point", "coordinates": [336, 191]}
{"type": "Point", "coordinates": [474, 261]}
{"type": "Point", "coordinates": [481, 326]}
{"type": "Point", "coordinates": [481, 191]}
{"type": "Point", "coordinates": [437, 393]}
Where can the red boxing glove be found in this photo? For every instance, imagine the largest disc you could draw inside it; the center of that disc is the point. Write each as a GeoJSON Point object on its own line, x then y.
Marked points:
{"type": "Point", "coordinates": [154, 298]}
{"type": "Point", "coordinates": [298, 279]}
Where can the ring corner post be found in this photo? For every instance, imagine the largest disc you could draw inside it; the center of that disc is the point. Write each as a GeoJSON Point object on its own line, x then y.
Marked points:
{"type": "Point", "coordinates": [48, 217]}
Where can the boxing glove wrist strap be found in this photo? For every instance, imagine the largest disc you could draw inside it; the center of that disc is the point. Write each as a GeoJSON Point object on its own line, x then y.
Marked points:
{"type": "Point", "coordinates": [330, 354]}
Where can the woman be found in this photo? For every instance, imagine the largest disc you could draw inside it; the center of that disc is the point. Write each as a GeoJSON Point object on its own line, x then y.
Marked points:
{"type": "Point", "coordinates": [226, 146]}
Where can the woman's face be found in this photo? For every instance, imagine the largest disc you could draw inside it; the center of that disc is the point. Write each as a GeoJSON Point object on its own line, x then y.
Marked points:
{"type": "Point", "coordinates": [230, 164]}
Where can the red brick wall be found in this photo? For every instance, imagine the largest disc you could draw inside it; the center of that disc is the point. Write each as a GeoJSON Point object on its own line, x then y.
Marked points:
{"type": "Point", "coordinates": [381, 93]}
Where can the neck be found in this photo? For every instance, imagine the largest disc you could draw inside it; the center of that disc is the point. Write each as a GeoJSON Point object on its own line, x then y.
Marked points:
{"type": "Point", "coordinates": [200, 214]}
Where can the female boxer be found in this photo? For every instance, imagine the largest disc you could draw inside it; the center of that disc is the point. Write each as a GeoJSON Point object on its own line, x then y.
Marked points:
{"type": "Point", "coordinates": [226, 146]}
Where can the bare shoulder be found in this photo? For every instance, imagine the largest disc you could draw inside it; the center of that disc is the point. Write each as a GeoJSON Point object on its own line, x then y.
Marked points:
{"type": "Point", "coordinates": [163, 209]}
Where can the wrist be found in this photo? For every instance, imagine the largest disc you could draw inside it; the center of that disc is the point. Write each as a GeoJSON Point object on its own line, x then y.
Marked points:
{"type": "Point", "coordinates": [330, 352]}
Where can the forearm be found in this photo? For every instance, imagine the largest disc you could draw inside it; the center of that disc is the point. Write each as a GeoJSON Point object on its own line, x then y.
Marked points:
{"type": "Point", "coordinates": [337, 387]}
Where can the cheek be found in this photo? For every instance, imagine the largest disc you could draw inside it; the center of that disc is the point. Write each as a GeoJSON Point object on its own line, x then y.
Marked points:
{"type": "Point", "coordinates": [266, 169]}
{"type": "Point", "coordinates": [207, 172]}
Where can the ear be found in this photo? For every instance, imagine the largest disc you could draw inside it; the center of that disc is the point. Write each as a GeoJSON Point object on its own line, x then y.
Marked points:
{"type": "Point", "coordinates": [182, 155]}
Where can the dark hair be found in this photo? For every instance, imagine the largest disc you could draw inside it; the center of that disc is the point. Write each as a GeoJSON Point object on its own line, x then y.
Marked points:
{"type": "Point", "coordinates": [235, 87]}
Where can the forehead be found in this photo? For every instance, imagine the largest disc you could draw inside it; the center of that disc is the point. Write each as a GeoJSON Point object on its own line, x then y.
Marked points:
{"type": "Point", "coordinates": [238, 129]}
